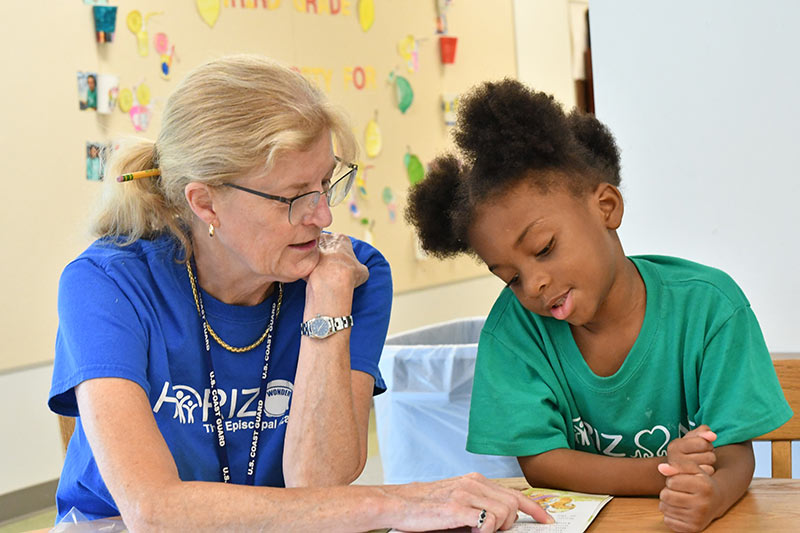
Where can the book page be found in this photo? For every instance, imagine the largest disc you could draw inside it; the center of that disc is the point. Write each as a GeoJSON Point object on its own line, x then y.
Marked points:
{"type": "Point", "coordinates": [573, 511]}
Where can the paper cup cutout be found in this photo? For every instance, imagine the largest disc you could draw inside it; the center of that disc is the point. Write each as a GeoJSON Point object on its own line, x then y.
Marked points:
{"type": "Point", "coordinates": [366, 14]}
{"type": "Point", "coordinates": [105, 23]}
{"type": "Point", "coordinates": [409, 51]}
{"type": "Point", "coordinates": [209, 11]}
{"type": "Point", "coordinates": [107, 93]}
{"type": "Point", "coordinates": [450, 108]}
{"type": "Point", "coordinates": [447, 48]}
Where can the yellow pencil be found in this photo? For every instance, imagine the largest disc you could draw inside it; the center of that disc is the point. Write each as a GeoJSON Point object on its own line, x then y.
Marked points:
{"type": "Point", "coordinates": [140, 174]}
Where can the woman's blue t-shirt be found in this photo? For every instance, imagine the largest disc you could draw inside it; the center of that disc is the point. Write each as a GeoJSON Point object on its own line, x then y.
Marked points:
{"type": "Point", "coordinates": [128, 312]}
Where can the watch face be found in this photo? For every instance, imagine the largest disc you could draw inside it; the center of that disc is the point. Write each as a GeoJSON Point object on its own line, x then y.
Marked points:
{"type": "Point", "coordinates": [319, 327]}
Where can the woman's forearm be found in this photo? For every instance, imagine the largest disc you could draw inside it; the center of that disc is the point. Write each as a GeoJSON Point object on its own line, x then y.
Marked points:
{"type": "Point", "coordinates": [185, 506]}
{"type": "Point", "coordinates": [587, 472]}
{"type": "Point", "coordinates": [326, 436]}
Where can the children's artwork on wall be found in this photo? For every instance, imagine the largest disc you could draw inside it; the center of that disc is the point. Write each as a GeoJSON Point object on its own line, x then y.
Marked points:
{"type": "Point", "coordinates": [87, 90]}
{"type": "Point", "coordinates": [368, 226]}
{"type": "Point", "coordinates": [140, 111]}
{"type": "Point", "coordinates": [408, 48]}
{"type": "Point", "coordinates": [449, 108]}
{"type": "Point", "coordinates": [388, 198]}
{"type": "Point", "coordinates": [166, 62]}
{"type": "Point", "coordinates": [414, 168]}
{"type": "Point", "coordinates": [138, 26]}
{"type": "Point", "coordinates": [361, 180]}
{"type": "Point", "coordinates": [107, 93]}
{"type": "Point", "coordinates": [105, 23]}
{"type": "Point", "coordinates": [352, 207]}
{"type": "Point", "coordinates": [125, 100]}
{"type": "Point", "coordinates": [441, 16]}
{"type": "Point", "coordinates": [366, 14]}
{"type": "Point", "coordinates": [403, 92]}
{"type": "Point", "coordinates": [94, 163]}
{"type": "Point", "coordinates": [373, 142]}
{"type": "Point", "coordinates": [447, 49]}
{"type": "Point", "coordinates": [208, 10]}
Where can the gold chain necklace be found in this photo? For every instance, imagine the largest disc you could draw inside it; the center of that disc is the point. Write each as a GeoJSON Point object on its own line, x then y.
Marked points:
{"type": "Point", "coordinates": [213, 333]}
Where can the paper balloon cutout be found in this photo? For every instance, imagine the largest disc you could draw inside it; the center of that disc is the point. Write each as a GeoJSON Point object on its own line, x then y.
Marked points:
{"type": "Point", "coordinates": [361, 180]}
{"type": "Point", "coordinates": [125, 100]}
{"type": "Point", "coordinates": [409, 50]}
{"type": "Point", "coordinates": [366, 13]}
{"type": "Point", "coordinates": [209, 11]}
{"type": "Point", "coordinates": [136, 23]}
{"type": "Point", "coordinates": [388, 198]}
{"type": "Point", "coordinates": [140, 117]}
{"type": "Point", "coordinates": [402, 91]}
{"type": "Point", "coordinates": [372, 138]}
{"type": "Point", "coordinates": [166, 63]}
{"type": "Point", "coordinates": [161, 43]}
{"type": "Point", "coordinates": [416, 173]}
{"type": "Point", "coordinates": [352, 206]}
{"type": "Point", "coordinates": [143, 94]}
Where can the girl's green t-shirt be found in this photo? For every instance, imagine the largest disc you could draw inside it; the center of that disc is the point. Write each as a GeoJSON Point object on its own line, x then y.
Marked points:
{"type": "Point", "coordinates": [700, 358]}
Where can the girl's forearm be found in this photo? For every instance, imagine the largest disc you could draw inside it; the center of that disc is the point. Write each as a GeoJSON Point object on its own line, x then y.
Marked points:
{"type": "Point", "coordinates": [587, 472]}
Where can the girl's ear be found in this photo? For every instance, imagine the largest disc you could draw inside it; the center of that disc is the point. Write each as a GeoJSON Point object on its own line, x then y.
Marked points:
{"type": "Point", "coordinates": [609, 201]}
{"type": "Point", "coordinates": [201, 201]}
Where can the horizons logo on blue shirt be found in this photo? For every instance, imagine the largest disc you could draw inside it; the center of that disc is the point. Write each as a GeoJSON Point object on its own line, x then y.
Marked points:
{"type": "Point", "coordinates": [236, 403]}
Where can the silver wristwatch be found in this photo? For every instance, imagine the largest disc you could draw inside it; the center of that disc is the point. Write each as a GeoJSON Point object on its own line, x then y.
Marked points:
{"type": "Point", "coordinates": [320, 326]}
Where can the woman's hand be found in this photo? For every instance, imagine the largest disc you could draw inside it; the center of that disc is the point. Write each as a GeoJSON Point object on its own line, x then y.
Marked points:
{"type": "Point", "coordinates": [458, 502]}
{"type": "Point", "coordinates": [337, 263]}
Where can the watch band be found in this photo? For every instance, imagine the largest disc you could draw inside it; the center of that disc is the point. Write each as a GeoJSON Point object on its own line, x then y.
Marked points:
{"type": "Point", "coordinates": [321, 327]}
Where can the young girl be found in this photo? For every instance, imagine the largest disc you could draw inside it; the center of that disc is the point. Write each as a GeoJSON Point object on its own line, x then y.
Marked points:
{"type": "Point", "coordinates": [643, 375]}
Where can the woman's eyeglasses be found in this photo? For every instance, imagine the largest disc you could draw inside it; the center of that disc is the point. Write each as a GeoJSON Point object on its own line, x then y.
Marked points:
{"type": "Point", "coordinates": [303, 205]}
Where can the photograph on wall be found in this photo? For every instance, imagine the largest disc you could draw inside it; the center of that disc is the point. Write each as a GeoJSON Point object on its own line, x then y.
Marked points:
{"type": "Point", "coordinates": [87, 90]}
{"type": "Point", "coordinates": [94, 161]}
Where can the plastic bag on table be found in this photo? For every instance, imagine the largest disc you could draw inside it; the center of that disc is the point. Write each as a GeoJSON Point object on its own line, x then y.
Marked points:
{"type": "Point", "coordinates": [75, 522]}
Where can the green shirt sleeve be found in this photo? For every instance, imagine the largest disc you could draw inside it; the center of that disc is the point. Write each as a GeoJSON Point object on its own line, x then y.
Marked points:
{"type": "Point", "coordinates": [514, 411]}
{"type": "Point", "coordinates": [739, 394]}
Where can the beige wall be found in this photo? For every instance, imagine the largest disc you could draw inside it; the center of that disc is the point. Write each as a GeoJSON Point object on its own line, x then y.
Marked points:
{"type": "Point", "coordinates": [30, 221]}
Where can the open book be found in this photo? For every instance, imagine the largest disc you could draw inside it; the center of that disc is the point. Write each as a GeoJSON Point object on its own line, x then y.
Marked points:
{"type": "Point", "coordinates": [573, 511]}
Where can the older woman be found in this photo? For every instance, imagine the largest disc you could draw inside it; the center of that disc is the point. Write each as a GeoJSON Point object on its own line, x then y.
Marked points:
{"type": "Point", "coordinates": [217, 346]}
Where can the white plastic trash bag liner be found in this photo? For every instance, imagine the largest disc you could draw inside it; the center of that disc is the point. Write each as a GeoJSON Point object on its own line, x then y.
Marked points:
{"type": "Point", "coordinates": [422, 418]}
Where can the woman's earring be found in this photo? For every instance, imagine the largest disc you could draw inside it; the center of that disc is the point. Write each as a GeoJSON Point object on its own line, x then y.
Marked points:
{"type": "Point", "coordinates": [211, 230]}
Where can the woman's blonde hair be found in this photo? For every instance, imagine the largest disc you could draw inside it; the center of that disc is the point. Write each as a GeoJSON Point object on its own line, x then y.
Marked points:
{"type": "Point", "coordinates": [227, 118]}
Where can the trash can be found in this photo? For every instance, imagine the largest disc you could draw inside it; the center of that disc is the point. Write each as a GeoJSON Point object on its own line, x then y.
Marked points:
{"type": "Point", "coordinates": [422, 417]}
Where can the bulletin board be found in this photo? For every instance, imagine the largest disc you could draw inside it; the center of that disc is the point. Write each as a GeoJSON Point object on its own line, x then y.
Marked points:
{"type": "Point", "coordinates": [335, 43]}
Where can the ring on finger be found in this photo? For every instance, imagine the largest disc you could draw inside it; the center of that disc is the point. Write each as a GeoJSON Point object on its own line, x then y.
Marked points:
{"type": "Point", "coordinates": [481, 519]}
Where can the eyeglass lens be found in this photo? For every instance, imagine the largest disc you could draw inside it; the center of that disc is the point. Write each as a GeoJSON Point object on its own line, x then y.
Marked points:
{"type": "Point", "coordinates": [306, 204]}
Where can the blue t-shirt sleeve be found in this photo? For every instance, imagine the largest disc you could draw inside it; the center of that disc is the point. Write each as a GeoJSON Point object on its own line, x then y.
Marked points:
{"type": "Point", "coordinates": [99, 334]}
{"type": "Point", "coordinates": [372, 307]}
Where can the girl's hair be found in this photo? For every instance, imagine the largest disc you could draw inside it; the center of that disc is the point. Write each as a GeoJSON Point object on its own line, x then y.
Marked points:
{"type": "Point", "coordinates": [227, 118]}
{"type": "Point", "coordinates": [507, 133]}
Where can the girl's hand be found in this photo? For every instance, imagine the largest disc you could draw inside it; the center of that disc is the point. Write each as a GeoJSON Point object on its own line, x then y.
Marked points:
{"type": "Point", "coordinates": [691, 499]}
{"type": "Point", "coordinates": [696, 447]}
{"type": "Point", "coordinates": [458, 502]}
